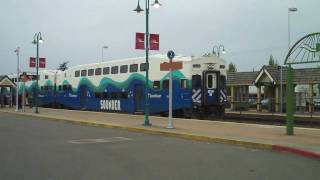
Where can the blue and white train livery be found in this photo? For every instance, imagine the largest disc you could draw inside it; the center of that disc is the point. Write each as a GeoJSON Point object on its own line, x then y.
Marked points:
{"type": "Point", "coordinates": [119, 85]}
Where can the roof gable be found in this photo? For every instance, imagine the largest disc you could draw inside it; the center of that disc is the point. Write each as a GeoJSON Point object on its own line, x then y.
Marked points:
{"type": "Point", "coordinates": [5, 81]}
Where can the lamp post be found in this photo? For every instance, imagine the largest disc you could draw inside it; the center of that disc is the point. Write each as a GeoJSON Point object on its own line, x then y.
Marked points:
{"type": "Point", "coordinates": [156, 4]}
{"type": "Point", "coordinates": [103, 47]}
{"type": "Point", "coordinates": [36, 40]}
{"type": "Point", "coordinates": [290, 90]}
{"type": "Point", "coordinates": [290, 10]}
{"type": "Point", "coordinates": [218, 49]}
{"type": "Point", "coordinates": [17, 51]}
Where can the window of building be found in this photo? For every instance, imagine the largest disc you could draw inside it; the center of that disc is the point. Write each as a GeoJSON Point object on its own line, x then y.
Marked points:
{"type": "Point", "coordinates": [134, 67]}
{"type": "Point", "coordinates": [124, 69]}
{"type": "Point", "coordinates": [97, 72]}
{"type": "Point", "coordinates": [90, 72]}
{"type": "Point", "coordinates": [46, 77]}
{"type": "Point", "coordinates": [115, 70]}
{"type": "Point", "coordinates": [165, 84]}
{"type": "Point", "coordinates": [143, 67]}
{"type": "Point", "coordinates": [184, 83]}
{"type": "Point", "coordinates": [156, 84]}
{"type": "Point", "coordinates": [77, 73]}
{"type": "Point", "coordinates": [106, 70]}
{"type": "Point", "coordinates": [83, 73]}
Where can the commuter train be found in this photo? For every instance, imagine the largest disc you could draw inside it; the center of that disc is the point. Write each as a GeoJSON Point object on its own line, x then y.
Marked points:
{"type": "Point", "coordinates": [119, 86]}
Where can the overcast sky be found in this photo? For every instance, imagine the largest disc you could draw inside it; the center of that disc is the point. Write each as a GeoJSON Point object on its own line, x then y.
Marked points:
{"type": "Point", "coordinates": [76, 30]}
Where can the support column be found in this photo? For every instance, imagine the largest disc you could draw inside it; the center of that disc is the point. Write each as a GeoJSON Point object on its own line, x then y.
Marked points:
{"type": "Point", "coordinates": [311, 98]}
{"type": "Point", "coordinates": [277, 99]}
{"type": "Point", "coordinates": [232, 98]}
{"type": "Point", "coordinates": [290, 101]}
{"type": "Point", "coordinates": [259, 98]}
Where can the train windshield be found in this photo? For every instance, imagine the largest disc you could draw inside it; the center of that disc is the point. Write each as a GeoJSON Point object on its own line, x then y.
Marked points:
{"type": "Point", "coordinates": [211, 81]}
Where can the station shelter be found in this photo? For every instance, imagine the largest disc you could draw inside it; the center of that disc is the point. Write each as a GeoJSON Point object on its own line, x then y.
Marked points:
{"type": "Point", "coordinates": [268, 84]}
{"type": "Point", "coordinates": [7, 88]}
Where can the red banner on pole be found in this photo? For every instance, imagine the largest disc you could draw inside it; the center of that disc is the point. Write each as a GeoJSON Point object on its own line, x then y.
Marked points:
{"type": "Point", "coordinates": [32, 62]}
{"type": "Point", "coordinates": [154, 42]}
{"type": "Point", "coordinates": [140, 41]}
{"type": "Point", "coordinates": [42, 62]}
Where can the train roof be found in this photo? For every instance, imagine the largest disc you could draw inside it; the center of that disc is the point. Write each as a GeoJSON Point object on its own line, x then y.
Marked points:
{"type": "Point", "coordinates": [158, 56]}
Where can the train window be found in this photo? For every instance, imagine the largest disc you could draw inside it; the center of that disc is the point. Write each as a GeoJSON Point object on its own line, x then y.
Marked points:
{"type": "Point", "coordinates": [65, 87]}
{"type": "Point", "coordinates": [97, 95]}
{"type": "Point", "coordinates": [184, 83]}
{"type": "Point", "coordinates": [124, 69]}
{"type": "Point", "coordinates": [46, 88]}
{"type": "Point", "coordinates": [211, 81]}
{"type": "Point", "coordinates": [97, 72]}
{"type": "Point", "coordinates": [134, 67]}
{"type": "Point", "coordinates": [83, 73]}
{"type": "Point", "coordinates": [222, 82]}
{"type": "Point", "coordinates": [90, 72]}
{"type": "Point", "coordinates": [115, 70]}
{"type": "Point", "coordinates": [165, 84]}
{"type": "Point", "coordinates": [59, 87]}
{"type": "Point", "coordinates": [69, 87]}
{"type": "Point", "coordinates": [105, 95]}
{"type": "Point", "coordinates": [124, 95]}
{"type": "Point", "coordinates": [77, 73]}
{"type": "Point", "coordinates": [143, 67]}
{"type": "Point", "coordinates": [41, 88]}
{"type": "Point", "coordinates": [106, 70]}
{"type": "Point", "coordinates": [196, 66]}
{"type": "Point", "coordinates": [196, 81]}
{"type": "Point", "coordinates": [156, 84]}
{"type": "Point", "coordinates": [114, 95]}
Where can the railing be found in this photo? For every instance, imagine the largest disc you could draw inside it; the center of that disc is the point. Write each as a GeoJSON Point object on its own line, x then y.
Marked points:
{"type": "Point", "coordinates": [303, 105]}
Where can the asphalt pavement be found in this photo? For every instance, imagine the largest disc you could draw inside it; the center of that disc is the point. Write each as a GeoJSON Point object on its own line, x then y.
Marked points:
{"type": "Point", "coordinates": [32, 148]}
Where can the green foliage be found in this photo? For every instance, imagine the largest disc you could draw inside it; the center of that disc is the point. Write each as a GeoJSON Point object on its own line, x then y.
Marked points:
{"type": "Point", "coordinates": [272, 61]}
{"type": "Point", "coordinates": [63, 66]}
{"type": "Point", "coordinates": [232, 67]}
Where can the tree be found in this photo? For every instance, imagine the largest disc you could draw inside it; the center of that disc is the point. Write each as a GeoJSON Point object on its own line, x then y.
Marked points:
{"type": "Point", "coordinates": [63, 66]}
{"type": "Point", "coordinates": [272, 61]}
{"type": "Point", "coordinates": [232, 67]}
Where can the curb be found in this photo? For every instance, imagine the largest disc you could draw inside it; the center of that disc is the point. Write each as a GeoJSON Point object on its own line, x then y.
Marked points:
{"type": "Point", "coordinates": [271, 147]}
{"type": "Point", "coordinates": [296, 151]}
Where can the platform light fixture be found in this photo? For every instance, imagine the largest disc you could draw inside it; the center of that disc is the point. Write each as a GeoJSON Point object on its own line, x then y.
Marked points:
{"type": "Point", "coordinates": [156, 4]}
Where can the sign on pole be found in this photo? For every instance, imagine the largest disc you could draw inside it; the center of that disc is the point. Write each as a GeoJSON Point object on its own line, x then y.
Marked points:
{"type": "Point", "coordinates": [42, 62]}
{"type": "Point", "coordinates": [140, 41]}
{"type": "Point", "coordinates": [32, 62]}
{"type": "Point", "coordinates": [154, 42]}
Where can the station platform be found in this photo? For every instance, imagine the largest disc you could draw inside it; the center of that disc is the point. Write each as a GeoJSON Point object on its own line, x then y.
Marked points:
{"type": "Point", "coordinates": [305, 142]}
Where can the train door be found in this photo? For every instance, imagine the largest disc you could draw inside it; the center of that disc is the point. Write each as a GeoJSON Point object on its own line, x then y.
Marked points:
{"type": "Point", "coordinates": [83, 97]}
{"type": "Point", "coordinates": [211, 87]}
{"type": "Point", "coordinates": [196, 89]}
{"type": "Point", "coordinates": [139, 97]}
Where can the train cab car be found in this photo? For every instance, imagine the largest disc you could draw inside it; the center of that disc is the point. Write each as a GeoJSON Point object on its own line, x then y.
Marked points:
{"type": "Point", "coordinates": [209, 85]}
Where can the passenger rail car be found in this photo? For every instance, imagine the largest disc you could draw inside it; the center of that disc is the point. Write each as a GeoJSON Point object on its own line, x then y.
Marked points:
{"type": "Point", "coordinates": [119, 85]}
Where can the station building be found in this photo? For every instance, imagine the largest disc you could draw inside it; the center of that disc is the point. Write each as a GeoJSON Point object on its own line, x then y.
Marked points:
{"type": "Point", "coordinates": [265, 89]}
